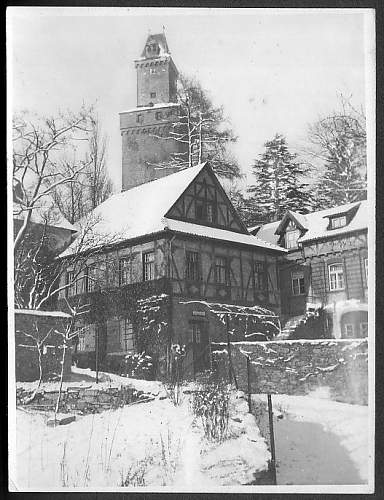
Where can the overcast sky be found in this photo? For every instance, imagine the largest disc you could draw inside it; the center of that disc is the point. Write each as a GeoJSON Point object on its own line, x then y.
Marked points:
{"type": "Point", "coordinates": [272, 70]}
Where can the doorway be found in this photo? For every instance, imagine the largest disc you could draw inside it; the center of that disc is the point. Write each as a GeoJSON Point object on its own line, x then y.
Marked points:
{"type": "Point", "coordinates": [200, 344]}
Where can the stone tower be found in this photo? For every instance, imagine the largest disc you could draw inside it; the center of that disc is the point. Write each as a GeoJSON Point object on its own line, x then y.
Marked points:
{"type": "Point", "coordinates": [145, 129]}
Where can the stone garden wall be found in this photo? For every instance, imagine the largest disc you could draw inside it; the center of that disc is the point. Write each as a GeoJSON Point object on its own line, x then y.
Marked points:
{"type": "Point", "coordinates": [81, 400]}
{"type": "Point", "coordinates": [300, 366]}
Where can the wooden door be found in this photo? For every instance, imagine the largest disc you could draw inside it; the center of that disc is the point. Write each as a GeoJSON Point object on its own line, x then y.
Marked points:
{"type": "Point", "coordinates": [200, 346]}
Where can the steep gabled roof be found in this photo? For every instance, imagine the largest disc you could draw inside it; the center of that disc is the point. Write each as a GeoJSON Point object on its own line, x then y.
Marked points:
{"type": "Point", "coordinates": [316, 224]}
{"type": "Point", "coordinates": [141, 211]}
{"type": "Point", "coordinates": [299, 219]}
{"type": "Point", "coordinates": [161, 42]}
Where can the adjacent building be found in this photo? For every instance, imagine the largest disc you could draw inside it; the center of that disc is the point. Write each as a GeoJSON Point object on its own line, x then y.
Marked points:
{"type": "Point", "coordinates": [325, 269]}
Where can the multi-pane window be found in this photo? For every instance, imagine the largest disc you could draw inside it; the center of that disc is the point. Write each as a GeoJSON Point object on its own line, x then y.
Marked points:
{"type": "Point", "coordinates": [81, 344]}
{"type": "Point", "coordinates": [92, 278]}
{"type": "Point", "coordinates": [70, 282]}
{"type": "Point", "coordinates": [210, 214]}
{"type": "Point", "coordinates": [127, 341]}
{"type": "Point", "coordinates": [348, 330]}
{"type": "Point", "coordinates": [139, 118]}
{"type": "Point", "coordinates": [205, 211]}
{"type": "Point", "coordinates": [291, 238]}
{"type": "Point", "coordinates": [196, 333]}
{"type": "Point", "coordinates": [192, 265]}
{"type": "Point", "coordinates": [148, 266]}
{"type": "Point", "coordinates": [86, 337]}
{"type": "Point", "coordinates": [124, 271]}
{"type": "Point", "coordinates": [298, 286]}
{"type": "Point", "coordinates": [159, 115]}
{"type": "Point", "coordinates": [259, 276]}
{"type": "Point", "coordinates": [338, 222]}
{"type": "Point", "coordinates": [336, 277]}
{"type": "Point", "coordinates": [221, 270]}
{"type": "Point", "coordinates": [199, 209]}
{"type": "Point", "coordinates": [366, 268]}
{"type": "Point", "coordinates": [152, 71]}
{"type": "Point", "coordinates": [363, 329]}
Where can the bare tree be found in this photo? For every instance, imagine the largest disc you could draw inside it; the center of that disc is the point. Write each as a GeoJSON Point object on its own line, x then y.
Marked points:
{"type": "Point", "coordinates": [93, 184]}
{"type": "Point", "coordinates": [202, 132]}
{"type": "Point", "coordinates": [38, 341]}
{"type": "Point", "coordinates": [99, 183]}
{"type": "Point", "coordinates": [339, 142]}
{"type": "Point", "coordinates": [38, 147]}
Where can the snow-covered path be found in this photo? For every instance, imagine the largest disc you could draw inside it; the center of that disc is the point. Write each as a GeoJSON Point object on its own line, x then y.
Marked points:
{"type": "Point", "coordinates": [321, 441]}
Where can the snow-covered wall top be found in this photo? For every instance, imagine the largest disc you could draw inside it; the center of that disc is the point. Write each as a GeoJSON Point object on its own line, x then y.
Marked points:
{"type": "Point", "coordinates": [301, 366]}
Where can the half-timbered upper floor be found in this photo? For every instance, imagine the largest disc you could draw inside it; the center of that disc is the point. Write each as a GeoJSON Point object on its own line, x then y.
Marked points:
{"type": "Point", "coordinates": [183, 228]}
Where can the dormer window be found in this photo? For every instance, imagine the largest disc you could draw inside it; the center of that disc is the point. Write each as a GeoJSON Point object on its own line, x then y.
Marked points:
{"type": "Point", "coordinates": [337, 222]}
{"type": "Point", "coordinates": [291, 238]}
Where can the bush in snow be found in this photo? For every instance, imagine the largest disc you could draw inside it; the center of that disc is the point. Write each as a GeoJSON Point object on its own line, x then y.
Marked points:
{"type": "Point", "coordinates": [136, 473]}
{"type": "Point", "coordinates": [173, 387]}
{"type": "Point", "coordinates": [137, 365]}
{"type": "Point", "coordinates": [210, 404]}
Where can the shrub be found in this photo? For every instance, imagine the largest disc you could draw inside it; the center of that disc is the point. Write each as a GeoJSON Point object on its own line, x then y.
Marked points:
{"type": "Point", "coordinates": [210, 404]}
{"type": "Point", "coordinates": [137, 366]}
{"type": "Point", "coordinates": [135, 475]}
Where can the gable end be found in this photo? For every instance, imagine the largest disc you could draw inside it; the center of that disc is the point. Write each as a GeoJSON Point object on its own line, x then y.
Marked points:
{"type": "Point", "coordinates": [205, 202]}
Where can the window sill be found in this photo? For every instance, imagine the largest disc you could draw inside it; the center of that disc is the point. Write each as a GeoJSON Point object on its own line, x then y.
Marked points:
{"type": "Point", "coordinates": [120, 353]}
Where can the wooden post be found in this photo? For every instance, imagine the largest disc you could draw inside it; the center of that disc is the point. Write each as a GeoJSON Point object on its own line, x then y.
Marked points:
{"type": "Point", "coordinates": [231, 370]}
{"type": "Point", "coordinates": [249, 384]}
{"type": "Point", "coordinates": [272, 438]}
{"type": "Point", "coordinates": [97, 352]}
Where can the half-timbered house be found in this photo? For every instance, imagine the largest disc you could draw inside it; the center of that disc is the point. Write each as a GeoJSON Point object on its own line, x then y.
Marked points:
{"type": "Point", "coordinates": [177, 237]}
{"type": "Point", "coordinates": [325, 269]}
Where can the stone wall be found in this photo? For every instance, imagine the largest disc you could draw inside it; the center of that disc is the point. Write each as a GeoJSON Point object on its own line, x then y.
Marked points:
{"type": "Point", "coordinates": [300, 366]}
{"type": "Point", "coordinates": [82, 400]}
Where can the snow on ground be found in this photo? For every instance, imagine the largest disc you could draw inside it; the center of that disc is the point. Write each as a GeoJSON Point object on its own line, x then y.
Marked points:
{"type": "Point", "coordinates": [85, 377]}
{"type": "Point", "coordinates": [148, 444]}
{"type": "Point", "coordinates": [319, 441]}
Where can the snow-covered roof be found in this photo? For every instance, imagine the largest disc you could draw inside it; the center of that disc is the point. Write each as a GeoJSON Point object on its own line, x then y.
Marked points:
{"type": "Point", "coordinates": [141, 211]}
{"type": "Point", "coordinates": [267, 232]}
{"type": "Point", "coordinates": [219, 234]}
{"type": "Point", "coordinates": [316, 223]}
{"type": "Point", "coordinates": [44, 212]}
{"type": "Point", "coordinates": [37, 312]}
{"type": "Point", "coordinates": [155, 106]}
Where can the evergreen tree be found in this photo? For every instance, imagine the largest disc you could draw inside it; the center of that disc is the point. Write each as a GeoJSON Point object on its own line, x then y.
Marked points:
{"type": "Point", "coordinates": [339, 141]}
{"type": "Point", "coordinates": [249, 212]}
{"type": "Point", "coordinates": [279, 182]}
{"type": "Point", "coordinates": [202, 131]}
